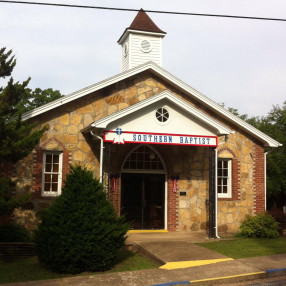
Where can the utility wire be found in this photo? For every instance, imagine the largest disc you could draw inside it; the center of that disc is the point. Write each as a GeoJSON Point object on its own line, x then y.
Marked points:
{"type": "Point", "coordinates": [136, 10]}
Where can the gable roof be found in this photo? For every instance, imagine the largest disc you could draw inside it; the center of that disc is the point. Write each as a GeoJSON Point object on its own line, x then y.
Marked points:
{"type": "Point", "coordinates": [171, 79]}
{"type": "Point", "coordinates": [210, 121]}
{"type": "Point", "coordinates": [142, 22]}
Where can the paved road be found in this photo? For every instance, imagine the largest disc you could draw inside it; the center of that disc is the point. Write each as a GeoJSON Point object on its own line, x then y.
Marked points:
{"type": "Point", "coordinates": [273, 281]}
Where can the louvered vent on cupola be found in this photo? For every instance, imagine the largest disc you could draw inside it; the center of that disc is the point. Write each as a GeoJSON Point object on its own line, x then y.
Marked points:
{"type": "Point", "coordinates": [141, 42]}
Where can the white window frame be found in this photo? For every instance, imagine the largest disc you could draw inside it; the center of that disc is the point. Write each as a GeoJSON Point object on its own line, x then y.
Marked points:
{"type": "Point", "coordinates": [59, 173]}
{"type": "Point", "coordinates": [229, 179]}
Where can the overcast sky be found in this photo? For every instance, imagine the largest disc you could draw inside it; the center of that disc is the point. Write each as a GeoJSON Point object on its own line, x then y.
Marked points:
{"type": "Point", "coordinates": [241, 63]}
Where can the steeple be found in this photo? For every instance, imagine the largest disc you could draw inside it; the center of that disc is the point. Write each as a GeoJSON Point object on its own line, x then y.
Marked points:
{"type": "Point", "coordinates": [141, 42]}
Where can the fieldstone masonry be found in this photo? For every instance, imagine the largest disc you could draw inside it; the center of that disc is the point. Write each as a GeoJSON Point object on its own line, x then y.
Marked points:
{"type": "Point", "coordinates": [186, 213]}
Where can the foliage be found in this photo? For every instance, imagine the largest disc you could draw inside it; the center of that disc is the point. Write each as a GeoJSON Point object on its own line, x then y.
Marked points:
{"type": "Point", "coordinates": [247, 247]}
{"type": "Point", "coordinates": [7, 62]}
{"type": "Point", "coordinates": [262, 225]}
{"type": "Point", "coordinates": [8, 200]}
{"type": "Point", "coordinates": [12, 232]}
{"type": "Point", "coordinates": [80, 231]}
{"type": "Point", "coordinates": [17, 137]}
{"type": "Point", "coordinates": [274, 125]}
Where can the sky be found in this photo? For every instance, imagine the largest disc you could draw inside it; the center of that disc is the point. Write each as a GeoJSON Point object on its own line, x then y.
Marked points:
{"type": "Point", "coordinates": [241, 63]}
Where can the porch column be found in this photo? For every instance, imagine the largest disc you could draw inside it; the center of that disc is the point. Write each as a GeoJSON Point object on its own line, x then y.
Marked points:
{"type": "Point", "coordinates": [212, 193]}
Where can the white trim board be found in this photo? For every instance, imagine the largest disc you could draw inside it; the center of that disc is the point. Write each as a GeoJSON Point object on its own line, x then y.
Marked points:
{"type": "Point", "coordinates": [160, 72]}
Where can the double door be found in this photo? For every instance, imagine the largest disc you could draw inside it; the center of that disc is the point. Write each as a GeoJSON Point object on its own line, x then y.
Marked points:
{"type": "Point", "coordinates": [143, 200]}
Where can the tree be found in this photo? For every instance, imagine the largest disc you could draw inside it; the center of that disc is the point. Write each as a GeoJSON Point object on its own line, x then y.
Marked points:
{"type": "Point", "coordinates": [80, 230]}
{"type": "Point", "coordinates": [17, 137]}
{"type": "Point", "coordinates": [274, 125]}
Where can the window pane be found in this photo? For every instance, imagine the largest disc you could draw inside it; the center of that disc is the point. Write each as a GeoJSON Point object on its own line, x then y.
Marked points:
{"type": "Point", "coordinates": [219, 163]}
{"type": "Point", "coordinates": [49, 158]}
{"type": "Point", "coordinates": [47, 178]}
{"type": "Point", "coordinates": [56, 158]}
{"type": "Point", "coordinates": [48, 167]}
{"type": "Point", "coordinates": [54, 187]}
{"type": "Point", "coordinates": [139, 165]}
{"type": "Point", "coordinates": [225, 181]}
{"type": "Point", "coordinates": [220, 172]}
{"type": "Point", "coordinates": [47, 187]}
{"type": "Point", "coordinates": [225, 172]}
{"type": "Point", "coordinates": [224, 189]}
{"type": "Point", "coordinates": [56, 168]}
{"type": "Point", "coordinates": [132, 165]}
{"type": "Point", "coordinates": [55, 178]}
{"type": "Point", "coordinates": [140, 156]}
{"type": "Point", "coordinates": [225, 163]}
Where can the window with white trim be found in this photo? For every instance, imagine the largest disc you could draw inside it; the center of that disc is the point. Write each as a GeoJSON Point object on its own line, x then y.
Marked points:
{"type": "Point", "coordinates": [52, 173]}
{"type": "Point", "coordinates": [224, 167]}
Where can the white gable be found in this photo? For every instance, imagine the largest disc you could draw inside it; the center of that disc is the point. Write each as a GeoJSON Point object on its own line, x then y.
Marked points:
{"type": "Point", "coordinates": [183, 118]}
{"type": "Point", "coordinates": [178, 122]}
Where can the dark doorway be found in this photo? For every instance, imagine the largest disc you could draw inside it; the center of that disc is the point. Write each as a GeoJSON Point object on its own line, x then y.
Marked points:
{"type": "Point", "coordinates": [142, 200]}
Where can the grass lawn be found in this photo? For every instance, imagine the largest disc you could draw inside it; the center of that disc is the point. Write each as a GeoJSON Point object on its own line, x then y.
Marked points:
{"type": "Point", "coordinates": [30, 269]}
{"type": "Point", "coordinates": [242, 248]}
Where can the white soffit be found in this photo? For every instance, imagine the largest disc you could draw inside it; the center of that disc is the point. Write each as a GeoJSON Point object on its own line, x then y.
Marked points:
{"type": "Point", "coordinates": [157, 70]}
{"type": "Point", "coordinates": [193, 111]}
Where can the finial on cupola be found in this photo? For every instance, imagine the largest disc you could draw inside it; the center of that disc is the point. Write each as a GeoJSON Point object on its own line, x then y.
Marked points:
{"type": "Point", "coordinates": [141, 42]}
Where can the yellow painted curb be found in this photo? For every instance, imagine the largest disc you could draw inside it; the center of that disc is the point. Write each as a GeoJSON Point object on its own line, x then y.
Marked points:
{"type": "Point", "coordinates": [193, 263]}
{"type": "Point", "coordinates": [146, 230]}
{"type": "Point", "coordinates": [227, 277]}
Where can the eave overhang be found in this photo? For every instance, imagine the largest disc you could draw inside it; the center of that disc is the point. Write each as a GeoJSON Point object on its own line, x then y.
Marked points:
{"type": "Point", "coordinates": [174, 81]}
{"type": "Point", "coordinates": [141, 32]}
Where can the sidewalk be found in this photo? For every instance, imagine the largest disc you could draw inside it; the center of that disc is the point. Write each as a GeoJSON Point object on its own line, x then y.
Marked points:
{"type": "Point", "coordinates": [235, 271]}
{"type": "Point", "coordinates": [185, 263]}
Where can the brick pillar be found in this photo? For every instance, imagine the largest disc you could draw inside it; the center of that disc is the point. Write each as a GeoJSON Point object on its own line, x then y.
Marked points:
{"type": "Point", "coordinates": [115, 194]}
{"type": "Point", "coordinates": [258, 179]}
{"type": "Point", "coordinates": [173, 205]}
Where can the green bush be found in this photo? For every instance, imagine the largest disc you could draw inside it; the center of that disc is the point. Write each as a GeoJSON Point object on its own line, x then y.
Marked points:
{"type": "Point", "coordinates": [262, 225]}
{"type": "Point", "coordinates": [12, 232]}
{"type": "Point", "coordinates": [80, 231]}
{"type": "Point", "coordinates": [8, 200]}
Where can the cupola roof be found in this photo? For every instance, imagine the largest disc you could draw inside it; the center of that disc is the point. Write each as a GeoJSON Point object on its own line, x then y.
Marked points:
{"type": "Point", "coordinates": [142, 22]}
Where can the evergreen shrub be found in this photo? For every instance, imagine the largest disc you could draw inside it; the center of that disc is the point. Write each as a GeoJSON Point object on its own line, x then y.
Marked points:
{"type": "Point", "coordinates": [262, 225]}
{"type": "Point", "coordinates": [12, 232]}
{"type": "Point", "coordinates": [80, 231]}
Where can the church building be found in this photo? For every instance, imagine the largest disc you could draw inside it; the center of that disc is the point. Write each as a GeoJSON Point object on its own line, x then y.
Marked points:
{"type": "Point", "coordinates": [169, 158]}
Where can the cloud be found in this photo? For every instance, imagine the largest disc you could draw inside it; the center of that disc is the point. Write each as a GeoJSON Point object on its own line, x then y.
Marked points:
{"type": "Point", "coordinates": [239, 62]}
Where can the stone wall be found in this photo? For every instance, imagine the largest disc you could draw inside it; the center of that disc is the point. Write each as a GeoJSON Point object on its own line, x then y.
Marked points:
{"type": "Point", "coordinates": [189, 212]}
{"type": "Point", "coordinates": [232, 211]}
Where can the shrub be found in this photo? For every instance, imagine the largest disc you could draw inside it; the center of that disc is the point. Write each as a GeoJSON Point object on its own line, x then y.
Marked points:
{"type": "Point", "coordinates": [262, 225]}
{"type": "Point", "coordinates": [80, 231]}
{"type": "Point", "coordinates": [12, 232]}
{"type": "Point", "coordinates": [8, 200]}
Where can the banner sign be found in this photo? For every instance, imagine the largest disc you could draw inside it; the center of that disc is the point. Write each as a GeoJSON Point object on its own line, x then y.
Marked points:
{"type": "Point", "coordinates": [120, 137]}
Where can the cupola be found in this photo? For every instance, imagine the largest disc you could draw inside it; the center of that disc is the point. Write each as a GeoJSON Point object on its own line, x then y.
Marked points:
{"type": "Point", "coordinates": [141, 42]}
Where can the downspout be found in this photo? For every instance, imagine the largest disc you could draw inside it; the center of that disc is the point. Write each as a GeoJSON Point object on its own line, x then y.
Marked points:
{"type": "Point", "coordinates": [101, 154]}
{"type": "Point", "coordinates": [216, 228]}
{"type": "Point", "coordinates": [265, 181]}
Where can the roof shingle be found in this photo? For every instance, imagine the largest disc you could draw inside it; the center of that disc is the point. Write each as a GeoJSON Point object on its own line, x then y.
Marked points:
{"type": "Point", "coordinates": [143, 22]}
